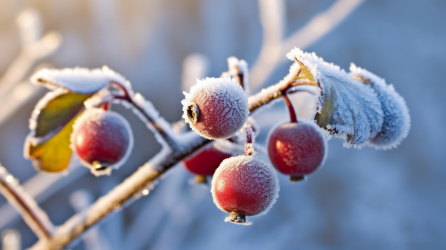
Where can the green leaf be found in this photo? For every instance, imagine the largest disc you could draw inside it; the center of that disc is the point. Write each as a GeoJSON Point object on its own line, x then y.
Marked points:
{"type": "Point", "coordinates": [48, 145]}
{"type": "Point", "coordinates": [55, 110]}
{"type": "Point", "coordinates": [52, 155]}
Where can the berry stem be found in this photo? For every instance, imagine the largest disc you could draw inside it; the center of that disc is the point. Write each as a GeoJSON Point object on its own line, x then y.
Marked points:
{"type": "Point", "coordinates": [293, 117]}
{"type": "Point", "coordinates": [249, 149]}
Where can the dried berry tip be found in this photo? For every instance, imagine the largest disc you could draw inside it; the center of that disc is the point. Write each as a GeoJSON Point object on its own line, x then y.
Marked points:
{"type": "Point", "coordinates": [297, 178]}
{"type": "Point", "coordinates": [201, 179]}
{"type": "Point", "coordinates": [98, 166]}
{"type": "Point", "coordinates": [193, 113]}
{"type": "Point", "coordinates": [235, 217]}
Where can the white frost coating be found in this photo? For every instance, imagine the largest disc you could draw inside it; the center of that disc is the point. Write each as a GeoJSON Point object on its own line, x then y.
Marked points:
{"type": "Point", "coordinates": [350, 110]}
{"type": "Point", "coordinates": [247, 173]}
{"type": "Point", "coordinates": [79, 80]}
{"type": "Point", "coordinates": [36, 218]}
{"type": "Point", "coordinates": [103, 96]}
{"type": "Point", "coordinates": [100, 116]}
{"type": "Point", "coordinates": [223, 107]}
{"type": "Point", "coordinates": [396, 123]}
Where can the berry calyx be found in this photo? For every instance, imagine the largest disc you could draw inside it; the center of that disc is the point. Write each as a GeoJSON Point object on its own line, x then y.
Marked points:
{"type": "Point", "coordinates": [216, 108]}
{"type": "Point", "coordinates": [296, 148]}
{"type": "Point", "coordinates": [204, 162]}
{"type": "Point", "coordinates": [101, 139]}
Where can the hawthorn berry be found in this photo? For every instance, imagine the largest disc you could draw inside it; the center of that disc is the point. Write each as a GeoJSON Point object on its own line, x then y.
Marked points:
{"type": "Point", "coordinates": [244, 186]}
{"type": "Point", "coordinates": [216, 108]}
{"type": "Point", "coordinates": [204, 162]}
{"type": "Point", "coordinates": [101, 139]}
{"type": "Point", "coordinates": [296, 148]}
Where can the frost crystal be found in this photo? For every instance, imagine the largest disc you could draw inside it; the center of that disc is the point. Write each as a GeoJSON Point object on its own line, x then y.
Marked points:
{"type": "Point", "coordinates": [79, 80]}
{"type": "Point", "coordinates": [396, 123]}
{"type": "Point", "coordinates": [346, 107]}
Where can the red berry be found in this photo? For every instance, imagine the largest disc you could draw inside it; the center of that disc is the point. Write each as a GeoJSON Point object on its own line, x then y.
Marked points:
{"type": "Point", "coordinates": [101, 139]}
{"type": "Point", "coordinates": [296, 149]}
{"type": "Point", "coordinates": [216, 108]}
{"type": "Point", "coordinates": [205, 161]}
{"type": "Point", "coordinates": [244, 186]}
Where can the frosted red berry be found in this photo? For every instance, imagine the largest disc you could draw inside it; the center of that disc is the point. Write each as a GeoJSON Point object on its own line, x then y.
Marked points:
{"type": "Point", "coordinates": [244, 186]}
{"type": "Point", "coordinates": [101, 139]}
{"type": "Point", "coordinates": [296, 148]}
{"type": "Point", "coordinates": [216, 108]}
{"type": "Point", "coordinates": [205, 161]}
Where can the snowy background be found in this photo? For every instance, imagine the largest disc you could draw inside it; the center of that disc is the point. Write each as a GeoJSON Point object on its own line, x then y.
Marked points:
{"type": "Point", "coordinates": [360, 199]}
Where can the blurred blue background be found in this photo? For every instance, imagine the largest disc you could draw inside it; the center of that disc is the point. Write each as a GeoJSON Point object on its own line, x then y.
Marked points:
{"type": "Point", "coordinates": [360, 199]}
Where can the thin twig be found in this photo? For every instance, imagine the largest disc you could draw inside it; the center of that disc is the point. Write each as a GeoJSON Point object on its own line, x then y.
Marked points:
{"type": "Point", "coordinates": [272, 16]}
{"type": "Point", "coordinates": [33, 215]}
{"type": "Point", "coordinates": [273, 49]}
{"type": "Point", "coordinates": [148, 174]}
{"type": "Point", "coordinates": [319, 26]}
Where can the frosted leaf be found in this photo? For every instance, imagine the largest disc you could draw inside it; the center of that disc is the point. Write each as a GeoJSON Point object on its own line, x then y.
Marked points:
{"type": "Point", "coordinates": [106, 129]}
{"type": "Point", "coordinates": [47, 145]}
{"type": "Point", "coordinates": [345, 107]}
{"type": "Point", "coordinates": [396, 123]}
{"type": "Point", "coordinates": [79, 80]}
{"type": "Point", "coordinates": [245, 185]}
{"type": "Point", "coordinates": [216, 108]}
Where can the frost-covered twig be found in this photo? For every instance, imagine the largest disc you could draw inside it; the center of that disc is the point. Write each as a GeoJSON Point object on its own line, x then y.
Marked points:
{"type": "Point", "coordinates": [41, 187]}
{"type": "Point", "coordinates": [147, 112]}
{"type": "Point", "coordinates": [33, 215]}
{"type": "Point", "coordinates": [273, 48]}
{"type": "Point", "coordinates": [34, 48]}
{"type": "Point", "coordinates": [93, 239]}
{"type": "Point", "coordinates": [148, 174]}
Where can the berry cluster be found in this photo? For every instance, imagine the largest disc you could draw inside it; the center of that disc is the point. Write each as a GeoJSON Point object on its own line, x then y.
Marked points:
{"type": "Point", "coordinates": [358, 107]}
{"type": "Point", "coordinates": [244, 185]}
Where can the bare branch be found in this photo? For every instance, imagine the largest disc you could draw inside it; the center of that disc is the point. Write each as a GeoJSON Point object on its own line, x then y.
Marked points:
{"type": "Point", "coordinates": [272, 16]}
{"type": "Point", "coordinates": [34, 48]}
{"type": "Point", "coordinates": [33, 215]}
{"type": "Point", "coordinates": [320, 25]}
